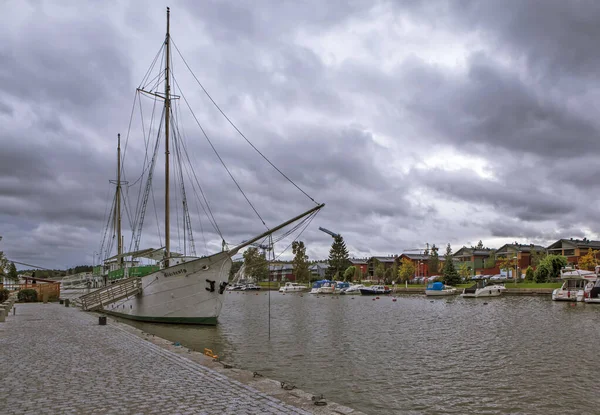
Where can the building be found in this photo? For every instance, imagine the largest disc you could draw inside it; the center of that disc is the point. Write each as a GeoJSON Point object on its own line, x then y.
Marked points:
{"type": "Point", "coordinates": [522, 252]}
{"type": "Point", "coordinates": [573, 249]}
{"type": "Point", "coordinates": [473, 257]}
{"type": "Point", "coordinates": [361, 263]}
{"type": "Point", "coordinates": [387, 261]}
{"type": "Point", "coordinates": [281, 272]}
{"type": "Point", "coordinates": [317, 270]}
{"type": "Point", "coordinates": [421, 263]}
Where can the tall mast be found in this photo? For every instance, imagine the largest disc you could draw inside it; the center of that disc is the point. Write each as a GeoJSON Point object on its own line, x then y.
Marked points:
{"type": "Point", "coordinates": [118, 215]}
{"type": "Point", "coordinates": [167, 114]}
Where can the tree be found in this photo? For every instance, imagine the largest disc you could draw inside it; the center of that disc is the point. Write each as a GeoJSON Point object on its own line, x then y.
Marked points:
{"type": "Point", "coordinates": [235, 267]}
{"type": "Point", "coordinates": [507, 263]}
{"type": "Point", "coordinates": [451, 277]}
{"type": "Point", "coordinates": [379, 271]}
{"type": "Point", "coordinates": [389, 275]}
{"type": "Point", "coordinates": [12, 272]}
{"type": "Point", "coordinates": [588, 261]}
{"type": "Point", "coordinates": [529, 275]}
{"type": "Point", "coordinates": [479, 245]}
{"type": "Point", "coordinates": [256, 264]}
{"type": "Point", "coordinates": [300, 261]}
{"type": "Point", "coordinates": [349, 273]}
{"type": "Point", "coordinates": [357, 274]}
{"type": "Point", "coordinates": [434, 261]}
{"type": "Point", "coordinates": [338, 257]}
{"type": "Point", "coordinates": [407, 269]}
{"type": "Point", "coordinates": [536, 256]}
{"type": "Point", "coordinates": [490, 262]}
{"type": "Point", "coordinates": [549, 268]}
{"type": "Point", "coordinates": [464, 270]}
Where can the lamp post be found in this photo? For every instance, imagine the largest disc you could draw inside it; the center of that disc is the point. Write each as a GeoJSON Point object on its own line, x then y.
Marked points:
{"type": "Point", "coordinates": [516, 258]}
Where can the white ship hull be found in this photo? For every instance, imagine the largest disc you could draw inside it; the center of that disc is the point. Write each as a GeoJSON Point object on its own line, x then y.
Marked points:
{"type": "Point", "coordinates": [489, 291]}
{"type": "Point", "coordinates": [187, 293]}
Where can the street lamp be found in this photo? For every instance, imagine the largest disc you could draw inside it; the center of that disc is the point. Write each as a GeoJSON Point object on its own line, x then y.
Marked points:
{"type": "Point", "coordinates": [516, 265]}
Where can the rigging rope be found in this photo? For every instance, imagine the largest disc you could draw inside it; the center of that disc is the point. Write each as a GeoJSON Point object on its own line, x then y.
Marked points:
{"type": "Point", "coordinates": [235, 127]}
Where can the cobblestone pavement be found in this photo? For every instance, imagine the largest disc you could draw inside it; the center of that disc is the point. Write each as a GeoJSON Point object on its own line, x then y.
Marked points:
{"type": "Point", "coordinates": [58, 360]}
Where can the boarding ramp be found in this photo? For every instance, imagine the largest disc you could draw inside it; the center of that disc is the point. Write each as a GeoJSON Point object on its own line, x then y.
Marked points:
{"type": "Point", "coordinates": [107, 295]}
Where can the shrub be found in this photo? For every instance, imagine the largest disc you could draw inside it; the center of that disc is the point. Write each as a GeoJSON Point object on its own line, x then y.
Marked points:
{"type": "Point", "coordinates": [4, 294]}
{"type": "Point", "coordinates": [28, 296]}
{"type": "Point", "coordinates": [529, 274]}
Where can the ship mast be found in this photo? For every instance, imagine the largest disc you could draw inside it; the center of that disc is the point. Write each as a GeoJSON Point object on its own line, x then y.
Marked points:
{"type": "Point", "coordinates": [167, 114]}
{"type": "Point", "coordinates": [118, 205]}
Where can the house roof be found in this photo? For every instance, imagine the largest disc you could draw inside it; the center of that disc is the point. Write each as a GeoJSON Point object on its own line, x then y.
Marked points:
{"type": "Point", "coordinates": [358, 260]}
{"type": "Point", "coordinates": [519, 248]}
{"type": "Point", "coordinates": [383, 258]}
{"type": "Point", "coordinates": [575, 243]}
{"type": "Point", "coordinates": [415, 257]}
{"type": "Point", "coordinates": [318, 265]}
{"type": "Point", "coordinates": [465, 251]}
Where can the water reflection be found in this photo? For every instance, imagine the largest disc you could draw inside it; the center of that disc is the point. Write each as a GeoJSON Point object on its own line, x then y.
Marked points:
{"type": "Point", "coordinates": [494, 356]}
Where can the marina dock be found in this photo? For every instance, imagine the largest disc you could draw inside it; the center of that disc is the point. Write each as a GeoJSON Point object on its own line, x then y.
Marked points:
{"type": "Point", "coordinates": [58, 359]}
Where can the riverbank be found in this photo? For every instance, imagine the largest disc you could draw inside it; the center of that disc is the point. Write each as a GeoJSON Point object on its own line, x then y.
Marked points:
{"type": "Point", "coordinates": [80, 366]}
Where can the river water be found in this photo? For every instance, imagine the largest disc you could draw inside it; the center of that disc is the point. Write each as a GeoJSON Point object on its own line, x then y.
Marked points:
{"type": "Point", "coordinates": [507, 355]}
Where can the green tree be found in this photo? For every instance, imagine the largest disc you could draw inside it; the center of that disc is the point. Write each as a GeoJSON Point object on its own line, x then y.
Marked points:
{"type": "Point", "coordinates": [529, 275]}
{"type": "Point", "coordinates": [379, 271]}
{"type": "Point", "coordinates": [256, 264]}
{"type": "Point", "coordinates": [235, 267]}
{"type": "Point", "coordinates": [451, 277]}
{"type": "Point", "coordinates": [490, 261]}
{"type": "Point", "coordinates": [434, 261]}
{"type": "Point", "coordinates": [349, 273]}
{"type": "Point", "coordinates": [549, 268]}
{"type": "Point", "coordinates": [536, 256]}
{"type": "Point", "coordinates": [12, 272]}
{"type": "Point", "coordinates": [479, 245]}
{"type": "Point", "coordinates": [588, 261]}
{"type": "Point", "coordinates": [338, 258]}
{"type": "Point", "coordinates": [407, 269]}
{"type": "Point", "coordinates": [300, 262]}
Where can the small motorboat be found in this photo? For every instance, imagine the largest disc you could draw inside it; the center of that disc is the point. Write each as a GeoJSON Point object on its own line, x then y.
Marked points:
{"type": "Point", "coordinates": [482, 289]}
{"type": "Point", "coordinates": [323, 287]}
{"type": "Point", "coordinates": [575, 283]}
{"type": "Point", "coordinates": [235, 287]}
{"type": "Point", "coordinates": [250, 287]}
{"type": "Point", "coordinates": [292, 287]}
{"type": "Point", "coordinates": [592, 294]}
{"type": "Point", "coordinates": [353, 289]}
{"type": "Point", "coordinates": [375, 290]}
{"type": "Point", "coordinates": [439, 288]}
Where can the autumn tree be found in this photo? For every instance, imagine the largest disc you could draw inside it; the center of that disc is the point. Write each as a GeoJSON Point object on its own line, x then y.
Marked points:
{"type": "Point", "coordinates": [407, 269]}
{"type": "Point", "coordinates": [588, 261]}
{"type": "Point", "coordinates": [434, 261]}
{"type": "Point", "coordinates": [507, 263]}
{"type": "Point", "coordinates": [256, 264]}
{"type": "Point", "coordinates": [300, 261]}
{"type": "Point", "coordinates": [338, 258]}
{"type": "Point", "coordinates": [451, 277]}
{"type": "Point", "coordinates": [463, 270]}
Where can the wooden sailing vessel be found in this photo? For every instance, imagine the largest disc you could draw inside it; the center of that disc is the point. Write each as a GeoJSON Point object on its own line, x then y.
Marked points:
{"type": "Point", "coordinates": [181, 289]}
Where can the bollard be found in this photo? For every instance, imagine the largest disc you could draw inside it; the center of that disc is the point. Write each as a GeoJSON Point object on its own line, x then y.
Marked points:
{"type": "Point", "coordinates": [14, 311]}
{"type": "Point", "coordinates": [61, 301]}
{"type": "Point", "coordinates": [66, 302]}
{"type": "Point", "coordinates": [102, 320]}
{"type": "Point", "coordinates": [2, 315]}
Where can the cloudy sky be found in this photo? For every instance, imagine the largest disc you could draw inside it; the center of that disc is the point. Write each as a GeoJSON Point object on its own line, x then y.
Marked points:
{"type": "Point", "coordinates": [415, 122]}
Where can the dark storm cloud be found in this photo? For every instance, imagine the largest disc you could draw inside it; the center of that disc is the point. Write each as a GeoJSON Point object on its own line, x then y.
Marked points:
{"type": "Point", "coordinates": [349, 133]}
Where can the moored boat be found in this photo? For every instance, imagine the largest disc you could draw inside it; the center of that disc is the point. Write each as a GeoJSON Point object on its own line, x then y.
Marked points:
{"type": "Point", "coordinates": [353, 289]}
{"type": "Point", "coordinates": [574, 284]}
{"type": "Point", "coordinates": [483, 289]}
{"type": "Point", "coordinates": [375, 290]}
{"type": "Point", "coordinates": [439, 289]}
{"type": "Point", "coordinates": [292, 287]}
{"type": "Point", "coordinates": [323, 287]}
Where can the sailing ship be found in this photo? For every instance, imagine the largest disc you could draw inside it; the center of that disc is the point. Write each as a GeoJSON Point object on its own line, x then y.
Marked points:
{"type": "Point", "coordinates": [183, 289]}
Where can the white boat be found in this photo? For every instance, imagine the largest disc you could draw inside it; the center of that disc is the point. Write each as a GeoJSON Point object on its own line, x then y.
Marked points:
{"type": "Point", "coordinates": [574, 284]}
{"type": "Point", "coordinates": [180, 288]}
{"type": "Point", "coordinates": [439, 289]}
{"type": "Point", "coordinates": [353, 289]}
{"type": "Point", "coordinates": [482, 289]}
{"type": "Point", "coordinates": [323, 287]}
{"type": "Point", "coordinates": [292, 287]}
{"type": "Point", "coordinates": [592, 293]}
{"type": "Point", "coordinates": [250, 287]}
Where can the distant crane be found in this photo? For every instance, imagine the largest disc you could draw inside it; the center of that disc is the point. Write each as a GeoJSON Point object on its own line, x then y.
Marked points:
{"type": "Point", "coordinates": [327, 231]}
